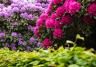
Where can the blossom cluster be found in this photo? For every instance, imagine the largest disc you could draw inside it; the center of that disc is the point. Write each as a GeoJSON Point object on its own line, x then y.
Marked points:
{"type": "Point", "coordinates": [64, 18]}
{"type": "Point", "coordinates": [17, 19]}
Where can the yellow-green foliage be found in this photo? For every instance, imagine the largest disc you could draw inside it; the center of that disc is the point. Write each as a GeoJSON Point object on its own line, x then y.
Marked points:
{"type": "Point", "coordinates": [73, 57]}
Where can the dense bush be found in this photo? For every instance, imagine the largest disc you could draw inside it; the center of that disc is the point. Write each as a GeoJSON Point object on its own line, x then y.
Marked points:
{"type": "Point", "coordinates": [63, 19]}
{"type": "Point", "coordinates": [73, 57]}
{"type": "Point", "coordinates": [17, 19]}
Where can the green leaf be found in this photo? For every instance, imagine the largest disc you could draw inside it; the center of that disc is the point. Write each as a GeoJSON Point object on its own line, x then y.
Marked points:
{"type": "Point", "coordinates": [73, 65]}
{"type": "Point", "coordinates": [79, 37]}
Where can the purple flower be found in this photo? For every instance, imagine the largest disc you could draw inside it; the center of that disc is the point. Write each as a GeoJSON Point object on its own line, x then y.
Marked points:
{"type": "Point", "coordinates": [6, 15]}
{"type": "Point", "coordinates": [14, 34]}
{"type": "Point", "coordinates": [20, 42]}
{"type": "Point", "coordinates": [24, 15]}
{"type": "Point", "coordinates": [39, 44]}
{"type": "Point", "coordinates": [1, 14]}
{"type": "Point", "coordinates": [15, 9]}
{"type": "Point", "coordinates": [13, 47]}
{"type": "Point", "coordinates": [30, 28]}
{"type": "Point", "coordinates": [29, 17]}
{"type": "Point", "coordinates": [2, 34]}
{"type": "Point", "coordinates": [7, 45]}
{"type": "Point", "coordinates": [23, 9]}
{"type": "Point", "coordinates": [38, 4]}
{"type": "Point", "coordinates": [32, 40]}
{"type": "Point", "coordinates": [28, 48]}
{"type": "Point", "coordinates": [1, 5]}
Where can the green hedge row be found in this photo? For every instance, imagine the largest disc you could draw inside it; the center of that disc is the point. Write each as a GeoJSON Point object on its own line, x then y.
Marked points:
{"type": "Point", "coordinates": [69, 57]}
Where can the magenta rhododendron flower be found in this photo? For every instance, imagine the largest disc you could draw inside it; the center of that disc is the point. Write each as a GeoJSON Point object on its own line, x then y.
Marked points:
{"type": "Point", "coordinates": [40, 22]}
{"type": "Point", "coordinates": [36, 31]}
{"type": "Point", "coordinates": [49, 23]}
{"type": "Point", "coordinates": [88, 20]}
{"type": "Point", "coordinates": [58, 33]}
{"type": "Point", "coordinates": [72, 6]}
{"type": "Point", "coordinates": [57, 25]}
{"type": "Point", "coordinates": [44, 16]}
{"type": "Point", "coordinates": [57, 1]}
{"type": "Point", "coordinates": [92, 9]}
{"type": "Point", "coordinates": [60, 11]}
{"type": "Point", "coordinates": [54, 16]}
{"type": "Point", "coordinates": [66, 20]}
{"type": "Point", "coordinates": [46, 43]}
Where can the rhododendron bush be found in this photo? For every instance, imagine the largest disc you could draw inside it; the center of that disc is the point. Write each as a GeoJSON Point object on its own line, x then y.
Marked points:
{"type": "Point", "coordinates": [17, 19]}
{"type": "Point", "coordinates": [63, 19]}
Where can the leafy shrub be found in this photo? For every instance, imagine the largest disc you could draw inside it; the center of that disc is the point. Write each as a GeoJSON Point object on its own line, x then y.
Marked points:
{"type": "Point", "coordinates": [72, 57]}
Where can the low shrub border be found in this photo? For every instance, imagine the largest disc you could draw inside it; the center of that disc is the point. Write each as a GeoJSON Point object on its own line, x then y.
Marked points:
{"type": "Point", "coordinates": [68, 57]}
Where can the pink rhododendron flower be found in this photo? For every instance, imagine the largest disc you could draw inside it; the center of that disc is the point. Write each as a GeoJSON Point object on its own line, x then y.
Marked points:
{"type": "Point", "coordinates": [47, 43]}
{"type": "Point", "coordinates": [40, 22]}
{"type": "Point", "coordinates": [66, 20]}
{"type": "Point", "coordinates": [36, 31]}
{"type": "Point", "coordinates": [92, 9]}
{"type": "Point", "coordinates": [57, 25]}
{"type": "Point", "coordinates": [72, 6]}
{"type": "Point", "coordinates": [49, 23]}
{"type": "Point", "coordinates": [60, 11]}
{"type": "Point", "coordinates": [44, 16]}
{"type": "Point", "coordinates": [88, 20]}
{"type": "Point", "coordinates": [54, 16]}
{"type": "Point", "coordinates": [57, 1]}
{"type": "Point", "coordinates": [58, 33]}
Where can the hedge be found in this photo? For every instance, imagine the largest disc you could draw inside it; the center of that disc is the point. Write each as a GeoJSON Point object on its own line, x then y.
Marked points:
{"type": "Point", "coordinates": [63, 57]}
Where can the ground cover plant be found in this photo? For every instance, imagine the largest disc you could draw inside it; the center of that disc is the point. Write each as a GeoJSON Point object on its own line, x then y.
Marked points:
{"type": "Point", "coordinates": [72, 57]}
